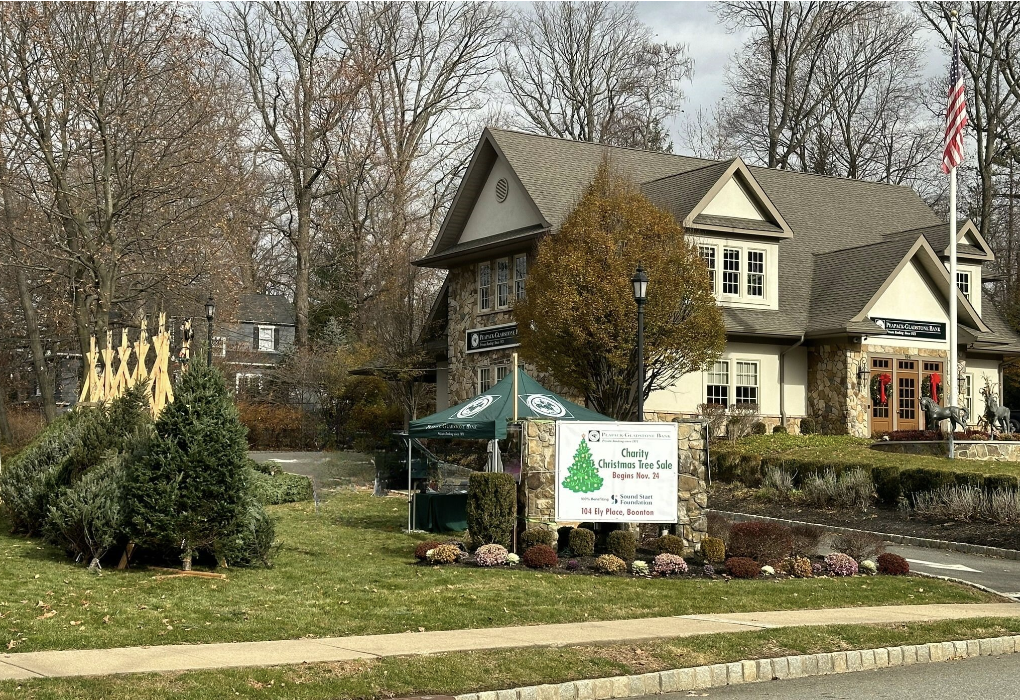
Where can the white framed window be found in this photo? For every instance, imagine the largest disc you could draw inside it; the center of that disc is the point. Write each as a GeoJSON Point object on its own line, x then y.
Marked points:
{"type": "Point", "coordinates": [266, 338]}
{"type": "Point", "coordinates": [731, 271]}
{"type": "Point", "coordinates": [247, 384]}
{"type": "Point", "coordinates": [484, 379]}
{"type": "Point", "coordinates": [708, 253]}
{"type": "Point", "coordinates": [520, 274]}
{"type": "Point", "coordinates": [718, 383]}
{"type": "Point", "coordinates": [501, 372]}
{"type": "Point", "coordinates": [502, 283]}
{"type": "Point", "coordinates": [221, 343]}
{"type": "Point", "coordinates": [963, 282]}
{"type": "Point", "coordinates": [484, 286]}
{"type": "Point", "coordinates": [746, 389]}
{"type": "Point", "coordinates": [756, 273]}
{"type": "Point", "coordinates": [968, 396]}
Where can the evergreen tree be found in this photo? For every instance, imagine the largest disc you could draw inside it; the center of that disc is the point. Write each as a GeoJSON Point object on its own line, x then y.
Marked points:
{"type": "Point", "coordinates": [189, 491]}
{"type": "Point", "coordinates": [583, 475]}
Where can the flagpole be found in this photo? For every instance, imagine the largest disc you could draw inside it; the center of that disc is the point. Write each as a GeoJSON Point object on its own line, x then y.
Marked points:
{"type": "Point", "coordinates": [953, 312]}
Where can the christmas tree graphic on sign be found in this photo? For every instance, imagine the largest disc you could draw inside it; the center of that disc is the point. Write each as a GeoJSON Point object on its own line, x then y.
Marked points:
{"type": "Point", "coordinates": [582, 474]}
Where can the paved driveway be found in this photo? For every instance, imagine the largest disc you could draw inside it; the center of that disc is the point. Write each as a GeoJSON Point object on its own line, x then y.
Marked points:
{"type": "Point", "coordinates": [327, 469]}
{"type": "Point", "coordinates": [1002, 575]}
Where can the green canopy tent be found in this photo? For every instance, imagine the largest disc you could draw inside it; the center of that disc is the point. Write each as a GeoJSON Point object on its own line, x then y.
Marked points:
{"type": "Point", "coordinates": [515, 397]}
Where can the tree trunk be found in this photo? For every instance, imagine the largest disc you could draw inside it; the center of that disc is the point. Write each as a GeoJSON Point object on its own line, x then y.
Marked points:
{"type": "Point", "coordinates": [5, 426]}
{"type": "Point", "coordinates": [186, 560]}
{"type": "Point", "coordinates": [303, 250]}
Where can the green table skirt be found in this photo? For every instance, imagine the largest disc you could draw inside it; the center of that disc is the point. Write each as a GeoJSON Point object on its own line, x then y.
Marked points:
{"type": "Point", "coordinates": [440, 512]}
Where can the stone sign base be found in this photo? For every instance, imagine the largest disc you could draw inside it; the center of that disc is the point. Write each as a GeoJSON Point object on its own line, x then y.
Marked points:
{"type": "Point", "coordinates": [537, 491]}
{"type": "Point", "coordinates": [985, 450]}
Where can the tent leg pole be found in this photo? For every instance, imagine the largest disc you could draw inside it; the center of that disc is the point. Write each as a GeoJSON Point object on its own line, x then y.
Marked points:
{"type": "Point", "coordinates": [409, 472]}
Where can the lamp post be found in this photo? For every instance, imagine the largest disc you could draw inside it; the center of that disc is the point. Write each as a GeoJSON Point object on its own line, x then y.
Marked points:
{"type": "Point", "coordinates": [640, 283]}
{"type": "Point", "coordinates": [210, 310]}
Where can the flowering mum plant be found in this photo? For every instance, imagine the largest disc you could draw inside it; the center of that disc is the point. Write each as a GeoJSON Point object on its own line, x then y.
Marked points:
{"type": "Point", "coordinates": [669, 565]}
{"type": "Point", "coordinates": [840, 564]}
{"type": "Point", "coordinates": [491, 555]}
{"type": "Point", "coordinates": [444, 554]}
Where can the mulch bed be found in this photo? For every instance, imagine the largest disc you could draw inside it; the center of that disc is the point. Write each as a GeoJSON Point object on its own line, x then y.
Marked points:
{"type": "Point", "coordinates": [741, 500]}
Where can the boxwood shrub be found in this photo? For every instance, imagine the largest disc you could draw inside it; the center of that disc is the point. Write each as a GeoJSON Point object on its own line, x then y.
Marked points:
{"type": "Point", "coordinates": [622, 544]}
{"type": "Point", "coordinates": [582, 542]}
{"type": "Point", "coordinates": [492, 508]}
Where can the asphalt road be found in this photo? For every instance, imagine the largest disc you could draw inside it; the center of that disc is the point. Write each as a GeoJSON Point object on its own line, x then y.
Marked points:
{"type": "Point", "coordinates": [979, 678]}
{"type": "Point", "coordinates": [327, 469]}
{"type": "Point", "coordinates": [1002, 575]}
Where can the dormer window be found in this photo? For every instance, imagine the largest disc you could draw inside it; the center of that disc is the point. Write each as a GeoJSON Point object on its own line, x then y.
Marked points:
{"type": "Point", "coordinates": [265, 338]}
{"type": "Point", "coordinates": [963, 282]}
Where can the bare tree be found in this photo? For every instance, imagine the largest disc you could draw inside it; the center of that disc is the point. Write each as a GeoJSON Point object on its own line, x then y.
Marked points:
{"type": "Point", "coordinates": [593, 71]}
{"type": "Point", "coordinates": [302, 72]}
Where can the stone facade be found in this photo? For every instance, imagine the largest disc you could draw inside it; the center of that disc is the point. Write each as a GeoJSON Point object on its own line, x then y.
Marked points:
{"type": "Point", "coordinates": [834, 399]}
{"type": "Point", "coordinates": [981, 450]}
{"type": "Point", "coordinates": [537, 494]}
{"type": "Point", "coordinates": [792, 422]}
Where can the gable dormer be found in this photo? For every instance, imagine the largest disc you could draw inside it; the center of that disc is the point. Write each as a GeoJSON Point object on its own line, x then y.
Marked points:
{"type": "Point", "coordinates": [736, 203]}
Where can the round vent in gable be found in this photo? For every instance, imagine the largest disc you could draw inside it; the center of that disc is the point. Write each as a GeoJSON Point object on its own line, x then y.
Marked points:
{"type": "Point", "coordinates": [502, 188]}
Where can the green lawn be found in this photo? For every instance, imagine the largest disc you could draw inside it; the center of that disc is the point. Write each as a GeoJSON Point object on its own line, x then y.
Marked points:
{"type": "Point", "coordinates": [464, 672]}
{"type": "Point", "coordinates": [346, 569]}
{"type": "Point", "coordinates": [846, 450]}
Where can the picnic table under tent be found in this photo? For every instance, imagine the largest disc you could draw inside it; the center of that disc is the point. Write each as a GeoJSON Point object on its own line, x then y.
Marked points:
{"type": "Point", "coordinates": [514, 398]}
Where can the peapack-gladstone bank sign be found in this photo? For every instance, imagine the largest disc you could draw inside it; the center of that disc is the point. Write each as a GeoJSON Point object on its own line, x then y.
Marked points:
{"type": "Point", "coordinates": [616, 472]}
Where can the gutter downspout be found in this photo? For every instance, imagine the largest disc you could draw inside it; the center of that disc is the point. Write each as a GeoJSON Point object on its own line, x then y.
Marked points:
{"type": "Point", "coordinates": [782, 379]}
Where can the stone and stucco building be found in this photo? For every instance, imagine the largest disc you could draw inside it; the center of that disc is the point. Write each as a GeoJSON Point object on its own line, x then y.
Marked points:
{"type": "Point", "coordinates": [834, 292]}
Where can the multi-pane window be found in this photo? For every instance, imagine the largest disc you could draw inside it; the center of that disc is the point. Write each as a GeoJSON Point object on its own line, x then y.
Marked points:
{"type": "Point", "coordinates": [501, 372]}
{"type": "Point", "coordinates": [267, 338]}
{"type": "Point", "coordinates": [747, 382]}
{"type": "Point", "coordinates": [484, 286]}
{"type": "Point", "coordinates": [731, 271]}
{"type": "Point", "coordinates": [502, 283]}
{"type": "Point", "coordinates": [484, 379]}
{"type": "Point", "coordinates": [718, 383]}
{"type": "Point", "coordinates": [963, 282]}
{"type": "Point", "coordinates": [755, 273]}
{"type": "Point", "coordinates": [520, 274]}
{"type": "Point", "coordinates": [707, 253]}
{"type": "Point", "coordinates": [968, 394]}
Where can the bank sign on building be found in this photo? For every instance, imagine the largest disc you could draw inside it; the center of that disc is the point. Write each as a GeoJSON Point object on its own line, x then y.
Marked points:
{"type": "Point", "coordinates": [835, 292]}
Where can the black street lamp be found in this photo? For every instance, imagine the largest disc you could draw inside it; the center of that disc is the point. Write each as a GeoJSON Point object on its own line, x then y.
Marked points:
{"type": "Point", "coordinates": [640, 283]}
{"type": "Point", "coordinates": [210, 311]}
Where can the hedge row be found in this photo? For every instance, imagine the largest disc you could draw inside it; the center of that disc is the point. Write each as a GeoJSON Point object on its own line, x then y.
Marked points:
{"type": "Point", "coordinates": [890, 482]}
{"type": "Point", "coordinates": [280, 487]}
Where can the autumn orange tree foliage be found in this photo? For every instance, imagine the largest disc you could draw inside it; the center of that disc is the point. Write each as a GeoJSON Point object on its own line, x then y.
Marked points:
{"type": "Point", "coordinates": [578, 321]}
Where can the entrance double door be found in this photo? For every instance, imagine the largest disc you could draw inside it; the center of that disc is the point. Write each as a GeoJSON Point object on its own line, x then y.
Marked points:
{"type": "Point", "coordinates": [900, 381]}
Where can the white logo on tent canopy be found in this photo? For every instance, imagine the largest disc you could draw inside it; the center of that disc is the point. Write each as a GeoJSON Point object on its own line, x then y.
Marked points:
{"type": "Point", "coordinates": [545, 405]}
{"type": "Point", "coordinates": [476, 406]}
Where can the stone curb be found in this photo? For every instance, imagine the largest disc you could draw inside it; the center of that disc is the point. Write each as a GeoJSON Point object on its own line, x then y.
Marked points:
{"type": "Point", "coordinates": [754, 671]}
{"type": "Point", "coordinates": [960, 581]}
{"type": "Point", "coordinates": [961, 547]}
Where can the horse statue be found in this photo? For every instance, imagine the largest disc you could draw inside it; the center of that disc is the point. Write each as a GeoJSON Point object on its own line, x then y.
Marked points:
{"type": "Point", "coordinates": [995, 414]}
{"type": "Point", "coordinates": [933, 414]}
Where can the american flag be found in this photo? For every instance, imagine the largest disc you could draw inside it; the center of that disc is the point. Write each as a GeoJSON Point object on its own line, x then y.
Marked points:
{"type": "Point", "coordinates": [956, 114]}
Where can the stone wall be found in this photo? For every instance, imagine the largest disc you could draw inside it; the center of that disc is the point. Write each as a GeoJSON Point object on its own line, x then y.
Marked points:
{"type": "Point", "coordinates": [981, 450]}
{"type": "Point", "coordinates": [537, 492]}
{"type": "Point", "coordinates": [792, 422]}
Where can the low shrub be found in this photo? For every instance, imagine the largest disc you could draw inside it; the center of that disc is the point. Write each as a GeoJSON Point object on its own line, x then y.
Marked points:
{"type": "Point", "coordinates": [801, 567]}
{"type": "Point", "coordinates": [859, 545]}
{"type": "Point", "coordinates": [582, 542]}
{"type": "Point", "coordinates": [780, 481]}
{"type": "Point", "coordinates": [491, 555]}
{"type": "Point", "coordinates": [444, 554]}
{"type": "Point", "coordinates": [536, 535]}
{"type": "Point", "coordinates": [887, 484]}
{"type": "Point", "coordinates": [779, 430]}
{"type": "Point", "coordinates": [808, 426]}
{"type": "Point", "coordinates": [893, 565]}
{"type": "Point", "coordinates": [492, 508]}
{"type": "Point", "coordinates": [669, 565]}
{"type": "Point", "coordinates": [764, 542]}
{"type": "Point", "coordinates": [610, 564]}
{"type": "Point", "coordinates": [1001, 481]}
{"type": "Point", "coordinates": [768, 570]}
{"type": "Point", "coordinates": [742, 567]}
{"type": "Point", "coordinates": [839, 564]}
{"type": "Point", "coordinates": [713, 549]}
{"type": "Point", "coordinates": [969, 503]}
{"type": "Point", "coordinates": [573, 565]}
{"type": "Point", "coordinates": [915, 480]}
{"type": "Point", "coordinates": [281, 487]}
{"type": "Point", "coordinates": [670, 544]}
{"type": "Point", "coordinates": [422, 549]}
{"type": "Point", "coordinates": [741, 420]}
{"type": "Point", "coordinates": [868, 566]}
{"type": "Point", "coordinates": [850, 490]}
{"type": "Point", "coordinates": [708, 570]}
{"type": "Point", "coordinates": [639, 568]}
{"type": "Point", "coordinates": [806, 539]}
{"type": "Point", "coordinates": [540, 556]}
{"type": "Point", "coordinates": [622, 544]}
{"type": "Point", "coordinates": [759, 428]}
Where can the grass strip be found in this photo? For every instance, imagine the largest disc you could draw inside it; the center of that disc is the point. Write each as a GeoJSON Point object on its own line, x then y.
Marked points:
{"type": "Point", "coordinates": [346, 569]}
{"type": "Point", "coordinates": [464, 672]}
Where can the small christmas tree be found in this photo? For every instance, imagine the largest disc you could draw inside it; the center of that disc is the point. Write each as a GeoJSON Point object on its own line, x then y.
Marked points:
{"type": "Point", "coordinates": [583, 475]}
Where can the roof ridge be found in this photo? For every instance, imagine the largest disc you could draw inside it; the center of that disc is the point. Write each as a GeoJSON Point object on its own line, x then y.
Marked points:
{"type": "Point", "coordinates": [600, 145]}
{"type": "Point", "coordinates": [835, 177]}
{"type": "Point", "coordinates": [727, 163]}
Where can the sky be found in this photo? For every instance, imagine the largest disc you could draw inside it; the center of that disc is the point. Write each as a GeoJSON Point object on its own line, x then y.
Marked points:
{"type": "Point", "coordinates": [711, 47]}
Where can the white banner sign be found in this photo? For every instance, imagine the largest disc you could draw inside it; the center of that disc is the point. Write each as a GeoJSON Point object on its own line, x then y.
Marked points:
{"type": "Point", "coordinates": [616, 472]}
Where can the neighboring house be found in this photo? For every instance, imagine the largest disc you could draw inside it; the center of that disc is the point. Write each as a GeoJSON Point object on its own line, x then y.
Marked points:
{"type": "Point", "coordinates": [821, 281]}
{"type": "Point", "coordinates": [255, 340]}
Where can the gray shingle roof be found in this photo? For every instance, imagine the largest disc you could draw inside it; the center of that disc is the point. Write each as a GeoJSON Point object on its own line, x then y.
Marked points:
{"type": "Point", "coordinates": [266, 308]}
{"type": "Point", "coordinates": [826, 215]}
{"type": "Point", "coordinates": [938, 236]}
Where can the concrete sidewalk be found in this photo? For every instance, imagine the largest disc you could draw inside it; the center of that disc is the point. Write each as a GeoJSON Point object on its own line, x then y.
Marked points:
{"type": "Point", "coordinates": [184, 657]}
